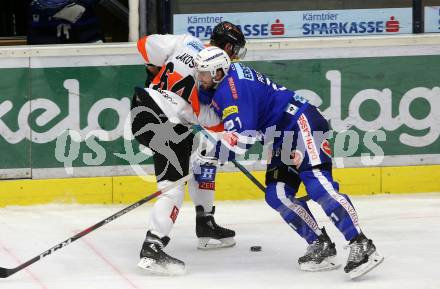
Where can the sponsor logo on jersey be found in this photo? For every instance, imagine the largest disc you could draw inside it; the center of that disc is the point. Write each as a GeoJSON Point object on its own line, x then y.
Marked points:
{"type": "Point", "coordinates": [230, 110]}
{"type": "Point", "coordinates": [291, 109]}
{"type": "Point", "coordinates": [195, 45]}
{"type": "Point", "coordinates": [215, 105]}
{"type": "Point", "coordinates": [329, 187]}
{"type": "Point", "coordinates": [207, 174]}
{"type": "Point", "coordinates": [174, 213]}
{"type": "Point", "coordinates": [207, 186]}
{"type": "Point", "coordinates": [299, 98]}
{"type": "Point", "coordinates": [304, 215]}
{"type": "Point", "coordinates": [243, 72]}
{"type": "Point", "coordinates": [167, 96]}
{"type": "Point", "coordinates": [347, 206]}
{"type": "Point", "coordinates": [309, 142]}
{"type": "Point", "coordinates": [260, 77]}
{"type": "Point", "coordinates": [233, 89]}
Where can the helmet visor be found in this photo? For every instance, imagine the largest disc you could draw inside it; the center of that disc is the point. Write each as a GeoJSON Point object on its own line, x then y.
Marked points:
{"type": "Point", "coordinates": [239, 52]}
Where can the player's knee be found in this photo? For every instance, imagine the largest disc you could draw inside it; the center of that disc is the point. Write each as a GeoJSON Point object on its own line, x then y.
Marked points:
{"type": "Point", "coordinates": [320, 194]}
{"type": "Point", "coordinates": [333, 204]}
{"type": "Point", "coordinates": [175, 194]}
{"type": "Point", "coordinates": [272, 198]}
{"type": "Point", "coordinates": [330, 205]}
{"type": "Point", "coordinates": [335, 185]}
{"type": "Point", "coordinates": [315, 190]}
{"type": "Point", "coordinates": [319, 187]}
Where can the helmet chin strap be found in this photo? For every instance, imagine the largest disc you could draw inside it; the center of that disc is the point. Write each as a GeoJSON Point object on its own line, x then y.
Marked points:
{"type": "Point", "coordinates": [216, 82]}
{"type": "Point", "coordinates": [220, 80]}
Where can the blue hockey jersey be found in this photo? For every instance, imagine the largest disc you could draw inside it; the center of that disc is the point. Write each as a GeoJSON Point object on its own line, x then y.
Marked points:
{"type": "Point", "coordinates": [247, 100]}
{"type": "Point", "coordinates": [252, 108]}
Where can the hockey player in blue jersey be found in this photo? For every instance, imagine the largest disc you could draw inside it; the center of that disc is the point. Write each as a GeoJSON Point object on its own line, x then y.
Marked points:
{"type": "Point", "coordinates": [252, 108]}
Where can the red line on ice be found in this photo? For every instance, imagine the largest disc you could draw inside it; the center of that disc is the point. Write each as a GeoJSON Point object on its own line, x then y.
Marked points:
{"type": "Point", "coordinates": [33, 277]}
{"type": "Point", "coordinates": [88, 244]}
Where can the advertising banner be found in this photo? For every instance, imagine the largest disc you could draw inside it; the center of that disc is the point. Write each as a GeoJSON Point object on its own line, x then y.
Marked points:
{"type": "Point", "coordinates": [375, 105]}
{"type": "Point", "coordinates": [432, 19]}
{"type": "Point", "coordinates": [275, 24]}
{"type": "Point", "coordinates": [382, 110]}
{"type": "Point", "coordinates": [15, 157]}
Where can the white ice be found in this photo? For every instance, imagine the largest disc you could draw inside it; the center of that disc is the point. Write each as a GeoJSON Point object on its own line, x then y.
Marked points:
{"type": "Point", "coordinates": [405, 229]}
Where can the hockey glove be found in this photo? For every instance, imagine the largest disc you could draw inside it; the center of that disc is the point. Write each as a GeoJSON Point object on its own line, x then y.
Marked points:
{"type": "Point", "coordinates": [151, 71]}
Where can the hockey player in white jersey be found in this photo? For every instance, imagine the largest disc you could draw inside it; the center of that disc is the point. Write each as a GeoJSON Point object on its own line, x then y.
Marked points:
{"type": "Point", "coordinates": [170, 67]}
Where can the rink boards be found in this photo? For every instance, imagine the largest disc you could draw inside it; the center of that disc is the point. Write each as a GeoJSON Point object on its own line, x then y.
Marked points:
{"type": "Point", "coordinates": [229, 186]}
{"type": "Point", "coordinates": [381, 94]}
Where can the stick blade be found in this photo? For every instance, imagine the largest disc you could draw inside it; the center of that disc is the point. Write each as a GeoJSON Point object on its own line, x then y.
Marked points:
{"type": "Point", "coordinates": [4, 272]}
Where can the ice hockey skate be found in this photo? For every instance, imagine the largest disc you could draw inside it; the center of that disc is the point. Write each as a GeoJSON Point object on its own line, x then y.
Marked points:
{"type": "Point", "coordinates": [363, 257]}
{"type": "Point", "coordinates": [320, 255]}
{"type": "Point", "coordinates": [155, 260]}
{"type": "Point", "coordinates": [211, 235]}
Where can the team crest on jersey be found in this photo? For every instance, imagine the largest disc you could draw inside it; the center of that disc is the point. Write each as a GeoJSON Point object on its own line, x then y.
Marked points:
{"type": "Point", "coordinates": [230, 110]}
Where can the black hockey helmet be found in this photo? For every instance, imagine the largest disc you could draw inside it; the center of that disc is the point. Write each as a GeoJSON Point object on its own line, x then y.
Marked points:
{"type": "Point", "coordinates": [226, 32]}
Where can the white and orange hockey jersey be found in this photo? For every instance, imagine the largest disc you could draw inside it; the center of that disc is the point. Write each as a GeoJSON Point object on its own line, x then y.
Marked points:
{"type": "Point", "coordinates": [175, 55]}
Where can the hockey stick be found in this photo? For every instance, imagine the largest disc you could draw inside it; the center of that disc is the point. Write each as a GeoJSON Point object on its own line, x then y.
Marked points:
{"type": "Point", "coordinates": [197, 128]}
{"type": "Point", "coordinates": [257, 183]}
{"type": "Point", "coordinates": [5, 272]}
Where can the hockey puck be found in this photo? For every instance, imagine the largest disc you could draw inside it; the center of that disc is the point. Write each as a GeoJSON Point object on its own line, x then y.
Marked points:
{"type": "Point", "coordinates": [255, 248]}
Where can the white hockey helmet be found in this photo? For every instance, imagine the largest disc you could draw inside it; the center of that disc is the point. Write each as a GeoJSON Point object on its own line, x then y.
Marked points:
{"type": "Point", "coordinates": [211, 59]}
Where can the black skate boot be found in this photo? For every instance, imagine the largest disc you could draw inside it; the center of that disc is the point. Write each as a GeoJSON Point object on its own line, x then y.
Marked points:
{"type": "Point", "coordinates": [155, 260]}
{"type": "Point", "coordinates": [207, 229]}
{"type": "Point", "coordinates": [363, 257]}
{"type": "Point", "coordinates": [320, 255]}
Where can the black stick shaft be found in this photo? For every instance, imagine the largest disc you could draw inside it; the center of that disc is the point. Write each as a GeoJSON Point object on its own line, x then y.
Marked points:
{"type": "Point", "coordinates": [5, 272]}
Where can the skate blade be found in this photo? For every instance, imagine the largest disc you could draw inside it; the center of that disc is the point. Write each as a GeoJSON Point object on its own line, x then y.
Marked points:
{"type": "Point", "coordinates": [326, 265]}
{"type": "Point", "coordinates": [373, 261]}
{"type": "Point", "coordinates": [212, 244]}
{"type": "Point", "coordinates": [152, 267]}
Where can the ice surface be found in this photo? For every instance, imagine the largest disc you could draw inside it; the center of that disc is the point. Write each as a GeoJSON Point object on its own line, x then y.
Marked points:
{"type": "Point", "coordinates": [405, 229]}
